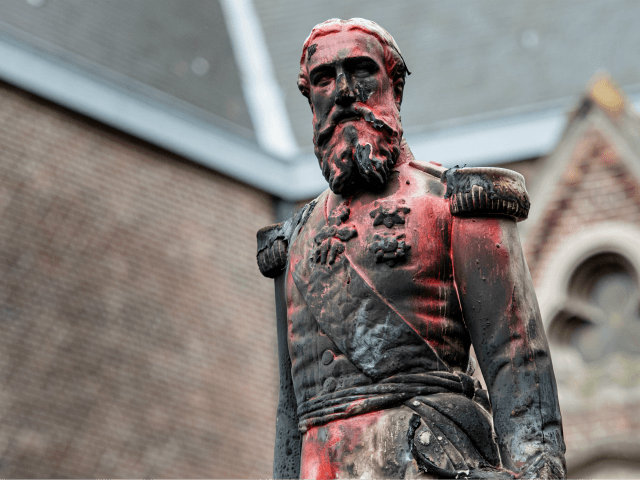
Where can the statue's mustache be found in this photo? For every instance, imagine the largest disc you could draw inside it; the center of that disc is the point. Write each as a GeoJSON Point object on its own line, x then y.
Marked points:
{"type": "Point", "coordinates": [355, 112]}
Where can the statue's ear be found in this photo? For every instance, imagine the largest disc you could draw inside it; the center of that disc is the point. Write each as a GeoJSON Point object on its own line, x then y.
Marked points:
{"type": "Point", "coordinates": [398, 91]}
{"type": "Point", "coordinates": [303, 86]}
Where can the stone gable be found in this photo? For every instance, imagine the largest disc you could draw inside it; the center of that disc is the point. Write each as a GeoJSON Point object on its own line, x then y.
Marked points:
{"type": "Point", "coordinates": [597, 186]}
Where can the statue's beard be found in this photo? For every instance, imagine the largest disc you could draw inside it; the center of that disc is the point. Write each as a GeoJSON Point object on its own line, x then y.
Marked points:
{"type": "Point", "coordinates": [358, 154]}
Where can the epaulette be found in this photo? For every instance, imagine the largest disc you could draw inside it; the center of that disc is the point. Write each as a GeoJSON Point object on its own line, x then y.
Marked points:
{"type": "Point", "coordinates": [272, 250]}
{"type": "Point", "coordinates": [486, 191]}
{"type": "Point", "coordinates": [273, 242]}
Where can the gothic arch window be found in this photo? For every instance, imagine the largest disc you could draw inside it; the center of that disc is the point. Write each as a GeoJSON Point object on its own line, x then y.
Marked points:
{"type": "Point", "coordinates": [601, 314]}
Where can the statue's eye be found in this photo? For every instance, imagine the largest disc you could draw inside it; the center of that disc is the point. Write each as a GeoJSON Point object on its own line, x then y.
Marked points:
{"type": "Point", "coordinates": [324, 81]}
{"type": "Point", "coordinates": [359, 72]}
{"type": "Point", "coordinates": [364, 67]}
{"type": "Point", "coordinates": [322, 77]}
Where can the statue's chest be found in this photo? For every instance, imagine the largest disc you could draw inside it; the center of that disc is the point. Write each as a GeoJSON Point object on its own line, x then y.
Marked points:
{"type": "Point", "coordinates": [399, 244]}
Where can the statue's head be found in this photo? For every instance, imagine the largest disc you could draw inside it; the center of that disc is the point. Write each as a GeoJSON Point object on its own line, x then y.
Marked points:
{"type": "Point", "coordinates": [352, 73]}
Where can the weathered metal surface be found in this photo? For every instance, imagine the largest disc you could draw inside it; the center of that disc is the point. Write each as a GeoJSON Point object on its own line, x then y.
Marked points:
{"type": "Point", "coordinates": [287, 455]}
{"type": "Point", "coordinates": [502, 317]}
{"type": "Point", "coordinates": [387, 285]}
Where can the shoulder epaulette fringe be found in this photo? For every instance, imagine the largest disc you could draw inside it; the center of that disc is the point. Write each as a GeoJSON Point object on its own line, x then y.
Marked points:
{"type": "Point", "coordinates": [486, 191]}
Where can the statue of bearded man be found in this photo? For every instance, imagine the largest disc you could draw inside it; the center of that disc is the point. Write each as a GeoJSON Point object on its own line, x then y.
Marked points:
{"type": "Point", "coordinates": [384, 282]}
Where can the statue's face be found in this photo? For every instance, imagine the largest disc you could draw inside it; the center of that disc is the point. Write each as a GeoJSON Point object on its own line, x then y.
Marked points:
{"type": "Point", "coordinates": [356, 121]}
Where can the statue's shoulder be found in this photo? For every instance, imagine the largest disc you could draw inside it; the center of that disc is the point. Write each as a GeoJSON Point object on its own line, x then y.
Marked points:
{"type": "Point", "coordinates": [431, 183]}
{"type": "Point", "coordinates": [273, 242]}
{"type": "Point", "coordinates": [433, 169]}
{"type": "Point", "coordinates": [479, 191]}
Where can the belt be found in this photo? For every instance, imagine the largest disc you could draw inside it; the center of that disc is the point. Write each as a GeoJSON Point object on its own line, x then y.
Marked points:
{"type": "Point", "coordinates": [386, 393]}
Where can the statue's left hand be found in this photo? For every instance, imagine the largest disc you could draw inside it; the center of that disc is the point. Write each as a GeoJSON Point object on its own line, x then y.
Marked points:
{"type": "Point", "coordinates": [544, 466]}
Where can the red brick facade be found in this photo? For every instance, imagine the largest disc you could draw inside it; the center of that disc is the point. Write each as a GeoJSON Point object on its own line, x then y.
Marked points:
{"type": "Point", "coordinates": [138, 338]}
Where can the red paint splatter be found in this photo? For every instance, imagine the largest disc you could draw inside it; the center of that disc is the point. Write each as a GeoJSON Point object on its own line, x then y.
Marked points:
{"type": "Point", "coordinates": [325, 447]}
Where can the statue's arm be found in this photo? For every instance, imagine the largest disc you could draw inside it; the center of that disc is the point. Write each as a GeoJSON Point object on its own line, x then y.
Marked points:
{"type": "Point", "coordinates": [272, 257]}
{"type": "Point", "coordinates": [503, 319]}
{"type": "Point", "coordinates": [286, 458]}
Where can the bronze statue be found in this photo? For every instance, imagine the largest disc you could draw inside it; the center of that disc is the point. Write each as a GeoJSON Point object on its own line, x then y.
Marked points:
{"type": "Point", "coordinates": [385, 280]}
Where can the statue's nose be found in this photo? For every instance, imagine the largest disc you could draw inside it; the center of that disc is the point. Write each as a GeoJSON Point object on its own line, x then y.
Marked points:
{"type": "Point", "coordinates": [344, 94]}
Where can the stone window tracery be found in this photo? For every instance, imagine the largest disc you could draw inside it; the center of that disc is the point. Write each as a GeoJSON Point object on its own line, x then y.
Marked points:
{"type": "Point", "coordinates": [601, 315]}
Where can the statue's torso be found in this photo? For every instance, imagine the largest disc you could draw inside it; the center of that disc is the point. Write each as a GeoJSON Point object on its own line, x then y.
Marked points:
{"type": "Point", "coordinates": [415, 278]}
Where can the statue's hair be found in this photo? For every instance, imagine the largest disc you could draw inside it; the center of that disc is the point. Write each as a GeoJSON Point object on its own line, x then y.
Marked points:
{"type": "Point", "coordinates": [394, 63]}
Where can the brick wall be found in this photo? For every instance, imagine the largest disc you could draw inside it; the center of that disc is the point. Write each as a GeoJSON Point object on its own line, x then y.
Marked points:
{"type": "Point", "coordinates": [138, 336]}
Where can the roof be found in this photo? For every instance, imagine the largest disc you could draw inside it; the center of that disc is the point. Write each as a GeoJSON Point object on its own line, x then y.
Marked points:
{"type": "Point", "coordinates": [180, 49]}
{"type": "Point", "coordinates": [216, 81]}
